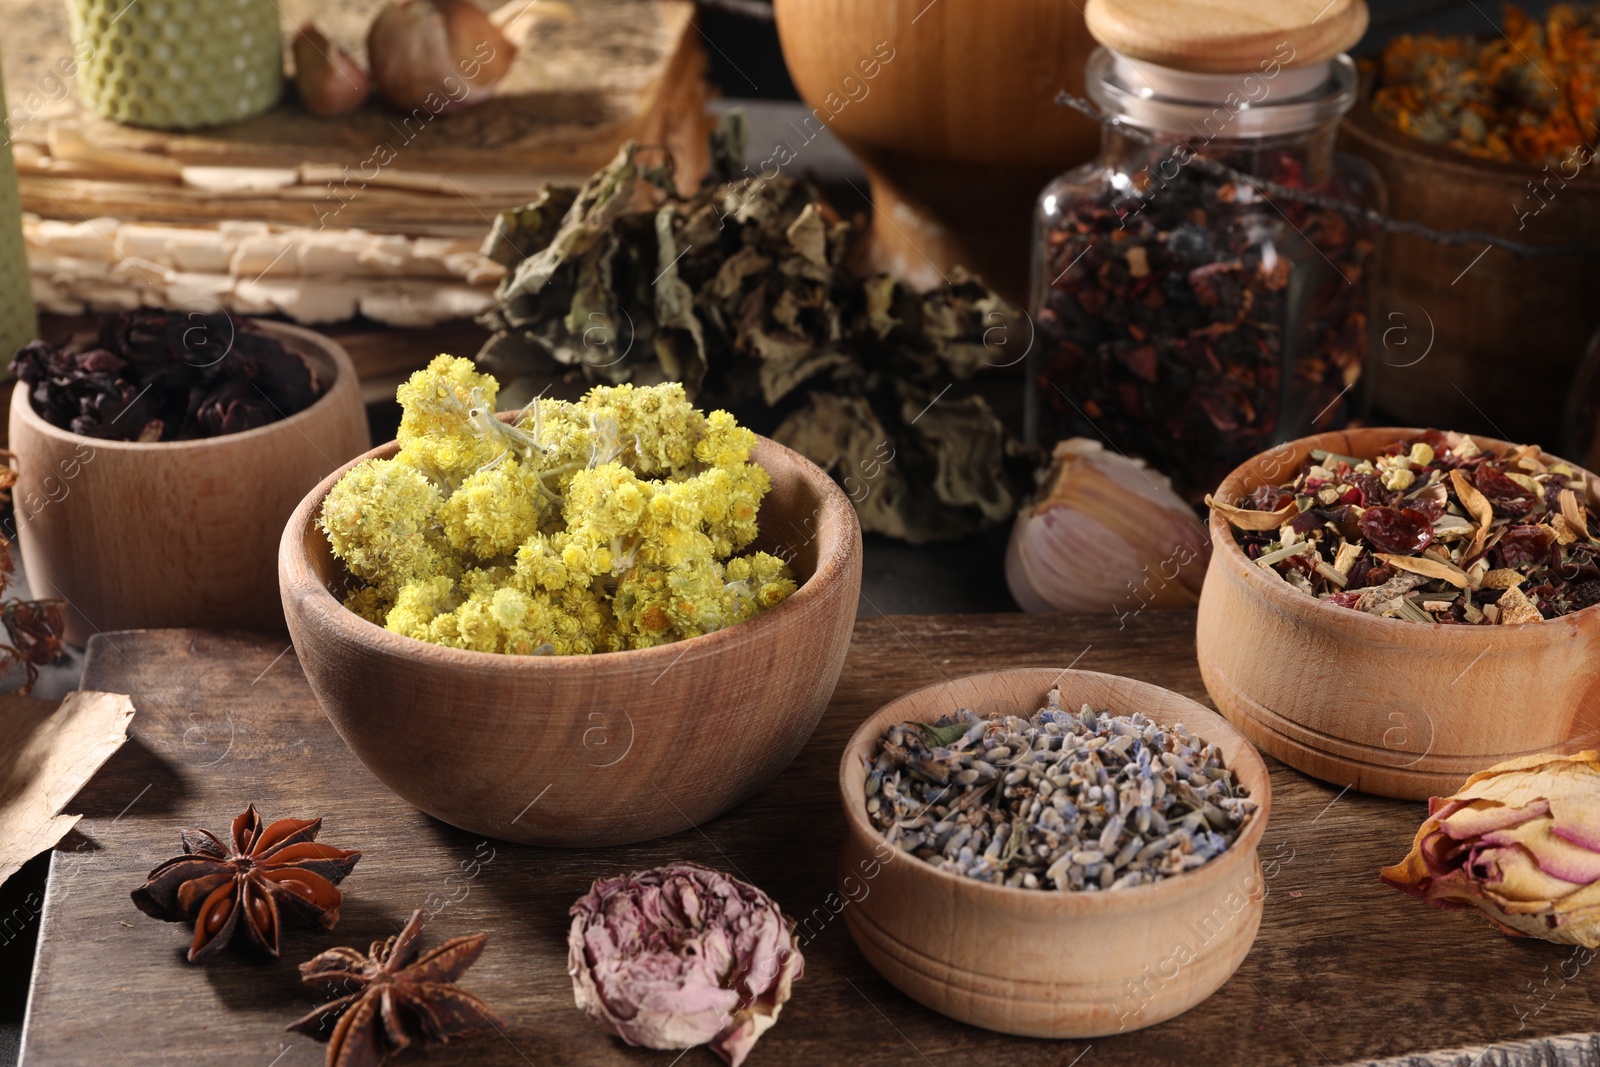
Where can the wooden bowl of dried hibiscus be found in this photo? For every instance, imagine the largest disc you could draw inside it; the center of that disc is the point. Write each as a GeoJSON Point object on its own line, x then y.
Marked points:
{"type": "Point", "coordinates": [158, 457]}
{"type": "Point", "coordinates": [1394, 609]}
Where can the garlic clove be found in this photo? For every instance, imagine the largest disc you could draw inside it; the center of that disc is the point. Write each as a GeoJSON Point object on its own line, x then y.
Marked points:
{"type": "Point", "coordinates": [1107, 534]}
{"type": "Point", "coordinates": [329, 80]}
{"type": "Point", "coordinates": [440, 55]}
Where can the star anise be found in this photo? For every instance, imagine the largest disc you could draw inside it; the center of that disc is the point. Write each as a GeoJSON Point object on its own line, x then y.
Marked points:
{"type": "Point", "coordinates": [394, 998]}
{"type": "Point", "coordinates": [271, 875]}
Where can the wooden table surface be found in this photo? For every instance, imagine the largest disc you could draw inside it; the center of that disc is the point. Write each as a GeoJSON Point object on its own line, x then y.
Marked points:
{"type": "Point", "coordinates": [1345, 970]}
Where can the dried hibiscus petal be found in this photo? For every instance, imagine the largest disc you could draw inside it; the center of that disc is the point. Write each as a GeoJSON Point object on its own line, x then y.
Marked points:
{"type": "Point", "coordinates": [1507, 496]}
{"type": "Point", "coordinates": [1398, 531]}
{"type": "Point", "coordinates": [1523, 546]}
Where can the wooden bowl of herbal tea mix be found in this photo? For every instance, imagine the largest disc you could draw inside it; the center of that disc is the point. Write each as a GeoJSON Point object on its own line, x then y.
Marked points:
{"type": "Point", "coordinates": [159, 456]}
{"type": "Point", "coordinates": [1395, 609]}
{"type": "Point", "coordinates": [1052, 853]}
{"type": "Point", "coordinates": [586, 623]}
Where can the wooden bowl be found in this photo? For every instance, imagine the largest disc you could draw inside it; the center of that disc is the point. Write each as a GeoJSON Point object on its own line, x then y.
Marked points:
{"type": "Point", "coordinates": [1446, 319]}
{"type": "Point", "coordinates": [603, 749]}
{"type": "Point", "coordinates": [1402, 709]}
{"type": "Point", "coordinates": [1037, 962]}
{"type": "Point", "coordinates": [956, 126]}
{"type": "Point", "coordinates": [176, 533]}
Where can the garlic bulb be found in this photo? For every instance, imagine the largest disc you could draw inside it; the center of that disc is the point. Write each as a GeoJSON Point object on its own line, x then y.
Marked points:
{"type": "Point", "coordinates": [329, 80]}
{"type": "Point", "coordinates": [438, 55]}
{"type": "Point", "coordinates": [1106, 534]}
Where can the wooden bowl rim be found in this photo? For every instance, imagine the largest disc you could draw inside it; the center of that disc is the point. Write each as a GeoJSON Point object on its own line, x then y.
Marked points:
{"type": "Point", "coordinates": [1249, 768]}
{"type": "Point", "coordinates": [297, 337]}
{"type": "Point", "coordinates": [1317, 612]}
{"type": "Point", "coordinates": [837, 534]}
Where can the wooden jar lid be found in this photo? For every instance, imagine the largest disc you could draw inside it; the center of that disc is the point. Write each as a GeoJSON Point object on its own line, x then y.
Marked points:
{"type": "Point", "coordinates": [1227, 36]}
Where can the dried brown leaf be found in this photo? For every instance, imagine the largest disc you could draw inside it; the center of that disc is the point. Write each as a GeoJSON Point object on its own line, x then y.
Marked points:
{"type": "Point", "coordinates": [1476, 503]}
{"type": "Point", "coordinates": [1573, 514]}
{"type": "Point", "coordinates": [1428, 568]}
{"type": "Point", "coordinates": [1246, 519]}
{"type": "Point", "coordinates": [47, 752]}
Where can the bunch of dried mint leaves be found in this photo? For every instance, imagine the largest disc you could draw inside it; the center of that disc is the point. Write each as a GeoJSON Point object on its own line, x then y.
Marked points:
{"type": "Point", "coordinates": [1434, 529]}
{"type": "Point", "coordinates": [1087, 801]}
{"type": "Point", "coordinates": [741, 291]}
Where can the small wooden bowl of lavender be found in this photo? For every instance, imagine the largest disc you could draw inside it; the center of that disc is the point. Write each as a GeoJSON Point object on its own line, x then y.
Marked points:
{"type": "Point", "coordinates": [1405, 694]}
{"type": "Point", "coordinates": [1051, 853]}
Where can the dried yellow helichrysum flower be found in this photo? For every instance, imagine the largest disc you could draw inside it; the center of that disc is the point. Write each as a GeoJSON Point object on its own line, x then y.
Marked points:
{"type": "Point", "coordinates": [1521, 843]}
{"type": "Point", "coordinates": [596, 526]}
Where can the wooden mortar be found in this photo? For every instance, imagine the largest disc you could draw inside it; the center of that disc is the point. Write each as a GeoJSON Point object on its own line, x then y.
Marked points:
{"type": "Point", "coordinates": [958, 130]}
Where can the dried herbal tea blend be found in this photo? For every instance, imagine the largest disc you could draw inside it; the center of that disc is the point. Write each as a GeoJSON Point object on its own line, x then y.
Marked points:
{"type": "Point", "coordinates": [1434, 529]}
{"type": "Point", "coordinates": [1085, 801]}
{"type": "Point", "coordinates": [742, 293]}
{"type": "Point", "coordinates": [1198, 326]}
{"type": "Point", "coordinates": [166, 376]}
{"type": "Point", "coordinates": [607, 524]}
{"type": "Point", "coordinates": [1528, 95]}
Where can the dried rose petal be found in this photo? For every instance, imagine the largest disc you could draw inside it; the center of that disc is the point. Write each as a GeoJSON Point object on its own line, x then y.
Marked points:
{"type": "Point", "coordinates": [1398, 531]}
{"type": "Point", "coordinates": [1521, 843]}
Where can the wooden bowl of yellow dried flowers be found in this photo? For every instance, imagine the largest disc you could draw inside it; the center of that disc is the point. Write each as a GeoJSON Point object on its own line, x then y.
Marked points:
{"type": "Point", "coordinates": [1395, 609]}
{"type": "Point", "coordinates": [626, 674]}
{"type": "Point", "coordinates": [1125, 899]}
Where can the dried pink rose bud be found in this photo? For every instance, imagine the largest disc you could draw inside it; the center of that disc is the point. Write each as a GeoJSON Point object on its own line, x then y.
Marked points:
{"type": "Point", "coordinates": [1521, 843]}
{"type": "Point", "coordinates": [682, 955]}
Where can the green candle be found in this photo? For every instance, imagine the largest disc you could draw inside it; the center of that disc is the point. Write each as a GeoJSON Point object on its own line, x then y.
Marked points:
{"type": "Point", "coordinates": [18, 325]}
{"type": "Point", "coordinates": [178, 64]}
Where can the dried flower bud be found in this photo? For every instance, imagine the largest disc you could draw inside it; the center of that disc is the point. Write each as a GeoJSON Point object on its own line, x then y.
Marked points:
{"type": "Point", "coordinates": [1521, 843]}
{"type": "Point", "coordinates": [682, 955]}
{"type": "Point", "coordinates": [1107, 534]}
{"type": "Point", "coordinates": [436, 54]}
{"type": "Point", "coordinates": [329, 80]}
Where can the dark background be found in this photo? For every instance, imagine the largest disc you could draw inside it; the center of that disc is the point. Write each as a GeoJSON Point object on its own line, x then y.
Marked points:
{"type": "Point", "coordinates": [746, 62]}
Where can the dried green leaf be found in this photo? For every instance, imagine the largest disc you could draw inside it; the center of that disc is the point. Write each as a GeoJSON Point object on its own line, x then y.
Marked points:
{"type": "Point", "coordinates": [940, 736]}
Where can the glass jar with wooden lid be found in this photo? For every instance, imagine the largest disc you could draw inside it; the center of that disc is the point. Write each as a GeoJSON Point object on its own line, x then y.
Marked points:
{"type": "Point", "coordinates": [1201, 289]}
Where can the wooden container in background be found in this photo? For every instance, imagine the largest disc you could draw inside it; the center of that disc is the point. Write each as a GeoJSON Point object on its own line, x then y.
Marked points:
{"type": "Point", "coordinates": [958, 130]}
{"type": "Point", "coordinates": [1388, 706]}
{"type": "Point", "coordinates": [1040, 962]}
{"type": "Point", "coordinates": [1503, 336]}
{"type": "Point", "coordinates": [177, 533]}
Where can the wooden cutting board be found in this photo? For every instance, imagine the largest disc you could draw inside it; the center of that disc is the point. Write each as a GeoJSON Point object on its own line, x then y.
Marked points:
{"type": "Point", "coordinates": [1345, 969]}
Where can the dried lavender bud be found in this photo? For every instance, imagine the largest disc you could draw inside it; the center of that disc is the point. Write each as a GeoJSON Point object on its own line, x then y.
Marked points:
{"type": "Point", "coordinates": [1085, 801]}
